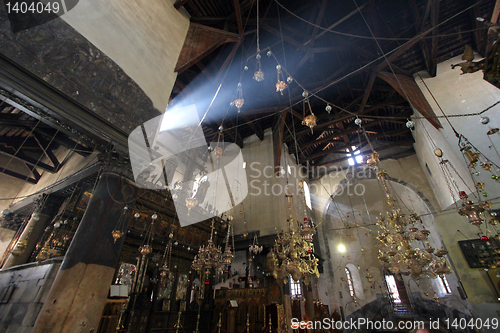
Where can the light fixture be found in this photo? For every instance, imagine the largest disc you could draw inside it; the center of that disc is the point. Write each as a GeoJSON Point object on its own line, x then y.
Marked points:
{"type": "Point", "coordinates": [239, 101]}
{"type": "Point", "coordinates": [309, 120]}
{"type": "Point", "coordinates": [293, 252]}
{"type": "Point", "coordinates": [255, 248]}
{"type": "Point", "coordinates": [119, 229]}
{"type": "Point", "coordinates": [211, 257]}
{"type": "Point", "coordinates": [341, 248]}
{"type": "Point", "coordinates": [280, 85]}
{"type": "Point", "coordinates": [259, 74]}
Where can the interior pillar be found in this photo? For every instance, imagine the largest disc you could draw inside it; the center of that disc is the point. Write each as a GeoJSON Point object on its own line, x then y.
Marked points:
{"type": "Point", "coordinates": [33, 231]}
{"type": "Point", "coordinates": [79, 292]}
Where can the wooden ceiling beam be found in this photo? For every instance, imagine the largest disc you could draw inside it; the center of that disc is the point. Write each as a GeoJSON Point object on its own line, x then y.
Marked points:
{"type": "Point", "coordinates": [255, 126]}
{"type": "Point", "coordinates": [285, 37]}
{"type": "Point", "coordinates": [355, 142]}
{"type": "Point", "coordinates": [237, 12]}
{"type": "Point", "coordinates": [396, 144]}
{"type": "Point", "coordinates": [179, 3]}
{"type": "Point", "coordinates": [228, 59]}
{"type": "Point", "coordinates": [337, 23]}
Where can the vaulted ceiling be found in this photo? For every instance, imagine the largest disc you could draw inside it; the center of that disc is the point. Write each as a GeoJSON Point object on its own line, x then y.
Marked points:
{"type": "Point", "coordinates": [358, 56]}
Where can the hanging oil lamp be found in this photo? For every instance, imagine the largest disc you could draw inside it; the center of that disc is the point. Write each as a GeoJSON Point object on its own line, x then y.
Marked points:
{"type": "Point", "coordinates": [281, 84]}
{"type": "Point", "coordinates": [310, 120]}
{"type": "Point", "coordinates": [239, 101]}
{"type": "Point", "coordinates": [146, 247]}
{"type": "Point", "coordinates": [119, 229]}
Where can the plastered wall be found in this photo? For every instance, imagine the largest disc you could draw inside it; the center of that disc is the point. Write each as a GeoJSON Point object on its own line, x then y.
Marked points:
{"type": "Point", "coordinates": [143, 37]}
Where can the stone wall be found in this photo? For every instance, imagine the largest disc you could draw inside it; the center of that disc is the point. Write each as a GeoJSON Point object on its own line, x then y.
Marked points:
{"type": "Point", "coordinates": [28, 286]}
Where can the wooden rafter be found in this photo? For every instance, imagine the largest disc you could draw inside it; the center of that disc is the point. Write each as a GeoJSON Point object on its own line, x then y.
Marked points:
{"type": "Point", "coordinates": [348, 145]}
{"type": "Point", "coordinates": [201, 41]}
{"type": "Point", "coordinates": [237, 12]}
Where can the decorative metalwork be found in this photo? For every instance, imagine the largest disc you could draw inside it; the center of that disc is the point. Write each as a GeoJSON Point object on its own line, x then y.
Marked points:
{"type": "Point", "coordinates": [119, 229]}
{"type": "Point", "coordinates": [146, 247]}
{"type": "Point", "coordinates": [239, 101]}
{"type": "Point", "coordinates": [281, 84]}
{"type": "Point", "coordinates": [255, 248]}
{"type": "Point", "coordinates": [211, 256]}
{"type": "Point", "coordinates": [407, 249]}
{"type": "Point", "coordinates": [310, 120]}
{"type": "Point", "coordinates": [293, 252]}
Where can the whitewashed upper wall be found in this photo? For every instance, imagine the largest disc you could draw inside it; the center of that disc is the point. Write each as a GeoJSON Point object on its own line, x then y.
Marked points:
{"type": "Point", "coordinates": [143, 37]}
{"type": "Point", "coordinates": [457, 94]}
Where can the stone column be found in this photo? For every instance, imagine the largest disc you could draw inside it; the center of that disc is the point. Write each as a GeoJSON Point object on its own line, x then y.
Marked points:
{"type": "Point", "coordinates": [79, 293]}
{"type": "Point", "coordinates": [33, 230]}
{"type": "Point", "coordinates": [310, 313]}
{"type": "Point", "coordinates": [231, 320]}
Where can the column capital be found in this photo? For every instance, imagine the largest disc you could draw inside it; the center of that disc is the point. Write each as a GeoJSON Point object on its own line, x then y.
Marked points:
{"type": "Point", "coordinates": [116, 163]}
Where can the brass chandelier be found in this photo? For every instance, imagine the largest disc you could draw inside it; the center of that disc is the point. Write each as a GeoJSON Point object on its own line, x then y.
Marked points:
{"type": "Point", "coordinates": [293, 252]}
{"type": "Point", "coordinates": [407, 250]}
{"type": "Point", "coordinates": [212, 257]}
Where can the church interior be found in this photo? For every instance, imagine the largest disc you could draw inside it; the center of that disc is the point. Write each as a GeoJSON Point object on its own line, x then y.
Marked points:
{"type": "Point", "coordinates": [249, 166]}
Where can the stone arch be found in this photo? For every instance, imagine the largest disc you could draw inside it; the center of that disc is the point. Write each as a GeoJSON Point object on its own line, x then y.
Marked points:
{"type": "Point", "coordinates": [331, 230]}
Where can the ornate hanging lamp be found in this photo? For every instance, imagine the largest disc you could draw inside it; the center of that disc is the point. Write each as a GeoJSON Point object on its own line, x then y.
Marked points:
{"type": "Point", "coordinates": [146, 247]}
{"type": "Point", "coordinates": [210, 257]}
{"type": "Point", "coordinates": [293, 254]}
{"type": "Point", "coordinates": [309, 120]}
{"type": "Point", "coordinates": [119, 229]}
{"type": "Point", "coordinates": [280, 84]}
{"type": "Point", "coordinates": [259, 74]}
{"type": "Point", "coordinates": [239, 101]}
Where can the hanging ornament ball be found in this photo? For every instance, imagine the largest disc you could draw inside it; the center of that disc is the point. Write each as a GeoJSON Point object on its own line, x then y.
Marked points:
{"type": "Point", "coordinates": [232, 103]}
{"type": "Point", "coordinates": [289, 79]}
{"type": "Point", "coordinates": [239, 84]}
{"type": "Point", "coordinates": [328, 108]}
{"type": "Point", "coordinates": [305, 94]}
{"type": "Point", "coordinates": [57, 224]}
{"type": "Point", "coordinates": [221, 128]}
{"type": "Point", "coordinates": [410, 124]}
{"type": "Point", "coordinates": [357, 121]}
{"type": "Point", "coordinates": [485, 238]}
{"type": "Point", "coordinates": [278, 67]}
{"type": "Point", "coordinates": [125, 208]}
{"type": "Point", "coordinates": [362, 250]}
{"type": "Point", "coordinates": [269, 53]}
{"type": "Point", "coordinates": [65, 222]}
{"type": "Point", "coordinates": [485, 120]}
{"type": "Point", "coordinates": [245, 68]}
{"type": "Point", "coordinates": [154, 216]}
{"type": "Point", "coordinates": [258, 57]}
{"type": "Point", "coordinates": [495, 177]}
{"type": "Point", "coordinates": [485, 195]}
{"type": "Point", "coordinates": [438, 152]}
{"type": "Point", "coordinates": [171, 235]}
{"type": "Point", "coordinates": [137, 215]}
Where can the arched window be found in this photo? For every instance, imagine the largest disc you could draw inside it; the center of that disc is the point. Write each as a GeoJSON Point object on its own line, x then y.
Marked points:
{"type": "Point", "coordinates": [307, 195]}
{"type": "Point", "coordinates": [349, 282]}
{"type": "Point", "coordinates": [392, 288]}
{"type": "Point", "coordinates": [295, 290]}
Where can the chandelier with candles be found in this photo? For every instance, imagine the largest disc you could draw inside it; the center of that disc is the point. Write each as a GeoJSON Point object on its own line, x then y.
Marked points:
{"type": "Point", "coordinates": [407, 249]}
{"type": "Point", "coordinates": [293, 252]}
{"type": "Point", "coordinates": [212, 257]}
